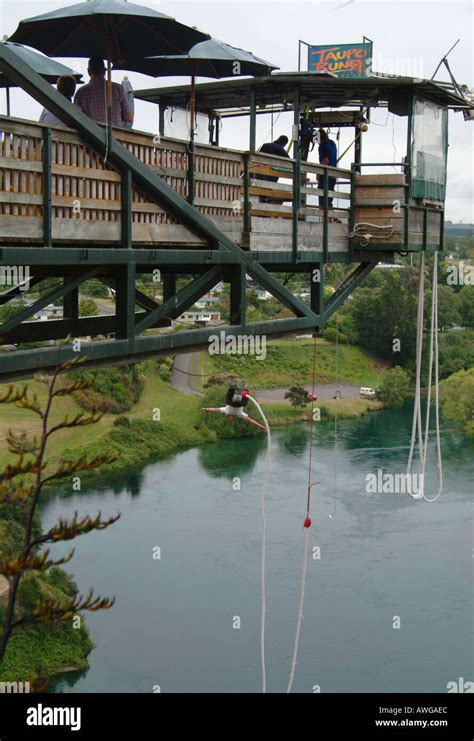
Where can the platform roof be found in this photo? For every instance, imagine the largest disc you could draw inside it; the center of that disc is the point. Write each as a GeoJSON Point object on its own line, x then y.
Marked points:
{"type": "Point", "coordinates": [318, 89]}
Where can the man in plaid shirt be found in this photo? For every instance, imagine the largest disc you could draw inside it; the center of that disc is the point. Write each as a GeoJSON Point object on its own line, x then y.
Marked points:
{"type": "Point", "coordinates": [92, 98]}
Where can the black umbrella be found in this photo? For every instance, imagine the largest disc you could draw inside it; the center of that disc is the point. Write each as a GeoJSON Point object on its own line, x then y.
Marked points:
{"type": "Point", "coordinates": [44, 66]}
{"type": "Point", "coordinates": [111, 29]}
{"type": "Point", "coordinates": [211, 58]}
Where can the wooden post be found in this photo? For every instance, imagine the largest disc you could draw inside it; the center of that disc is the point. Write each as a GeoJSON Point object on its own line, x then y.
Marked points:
{"type": "Point", "coordinates": [126, 208]}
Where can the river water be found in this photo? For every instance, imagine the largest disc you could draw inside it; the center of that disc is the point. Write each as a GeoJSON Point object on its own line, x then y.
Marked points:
{"type": "Point", "coordinates": [388, 603]}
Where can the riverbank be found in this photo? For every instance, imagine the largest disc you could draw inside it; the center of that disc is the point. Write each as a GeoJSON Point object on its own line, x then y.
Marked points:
{"type": "Point", "coordinates": [44, 649]}
{"type": "Point", "coordinates": [162, 421]}
{"type": "Point", "coordinates": [165, 421]}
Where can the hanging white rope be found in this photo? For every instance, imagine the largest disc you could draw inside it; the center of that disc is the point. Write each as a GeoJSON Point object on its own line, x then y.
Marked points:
{"type": "Point", "coordinates": [416, 430]}
{"type": "Point", "coordinates": [300, 610]}
{"type": "Point", "coordinates": [264, 544]}
{"type": "Point", "coordinates": [434, 356]}
{"type": "Point", "coordinates": [417, 427]}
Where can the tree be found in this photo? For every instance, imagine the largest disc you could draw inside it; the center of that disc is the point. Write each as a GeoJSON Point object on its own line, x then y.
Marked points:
{"type": "Point", "coordinates": [457, 400]}
{"type": "Point", "coordinates": [11, 309]}
{"type": "Point", "coordinates": [385, 316]}
{"type": "Point", "coordinates": [466, 297]}
{"type": "Point", "coordinates": [449, 308]}
{"type": "Point", "coordinates": [395, 387]}
{"type": "Point", "coordinates": [21, 485]}
{"type": "Point", "coordinates": [297, 395]}
{"type": "Point", "coordinates": [88, 307]}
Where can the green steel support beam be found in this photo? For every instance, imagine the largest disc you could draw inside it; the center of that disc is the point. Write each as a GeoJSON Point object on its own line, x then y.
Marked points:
{"type": "Point", "coordinates": [125, 302]}
{"type": "Point", "coordinates": [57, 261]}
{"type": "Point", "coordinates": [47, 189]}
{"type": "Point", "coordinates": [182, 300]}
{"type": "Point", "coordinates": [140, 298]}
{"type": "Point", "coordinates": [317, 289]}
{"type": "Point", "coordinates": [25, 362]}
{"type": "Point", "coordinates": [238, 295]}
{"type": "Point", "coordinates": [169, 286]}
{"type": "Point", "coordinates": [345, 290]}
{"type": "Point", "coordinates": [53, 295]}
{"type": "Point", "coordinates": [58, 329]}
{"type": "Point", "coordinates": [71, 305]}
{"type": "Point", "coordinates": [126, 208]}
{"type": "Point", "coordinates": [16, 291]}
{"type": "Point", "coordinates": [294, 304]}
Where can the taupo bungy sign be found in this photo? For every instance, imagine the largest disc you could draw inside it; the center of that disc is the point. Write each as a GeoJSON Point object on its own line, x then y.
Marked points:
{"type": "Point", "coordinates": [343, 60]}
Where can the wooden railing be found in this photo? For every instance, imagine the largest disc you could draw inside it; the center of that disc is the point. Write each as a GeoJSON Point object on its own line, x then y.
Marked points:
{"type": "Point", "coordinates": [85, 193]}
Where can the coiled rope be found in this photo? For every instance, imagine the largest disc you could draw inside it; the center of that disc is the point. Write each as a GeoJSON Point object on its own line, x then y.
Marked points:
{"type": "Point", "coordinates": [417, 425]}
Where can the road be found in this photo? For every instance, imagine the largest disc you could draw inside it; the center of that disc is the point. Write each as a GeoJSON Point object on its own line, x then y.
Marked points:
{"type": "Point", "coordinates": [186, 369]}
{"type": "Point", "coordinates": [182, 378]}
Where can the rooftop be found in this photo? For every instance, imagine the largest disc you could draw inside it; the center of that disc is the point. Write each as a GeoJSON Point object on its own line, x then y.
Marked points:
{"type": "Point", "coordinates": [317, 89]}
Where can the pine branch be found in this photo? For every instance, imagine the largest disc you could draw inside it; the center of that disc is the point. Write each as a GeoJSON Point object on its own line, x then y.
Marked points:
{"type": "Point", "coordinates": [69, 529]}
{"type": "Point", "coordinates": [80, 420]}
{"type": "Point", "coordinates": [64, 470]}
{"type": "Point", "coordinates": [49, 611]}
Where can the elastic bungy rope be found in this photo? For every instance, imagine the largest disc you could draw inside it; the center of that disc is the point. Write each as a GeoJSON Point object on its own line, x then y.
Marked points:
{"type": "Point", "coordinates": [264, 544]}
{"type": "Point", "coordinates": [306, 526]}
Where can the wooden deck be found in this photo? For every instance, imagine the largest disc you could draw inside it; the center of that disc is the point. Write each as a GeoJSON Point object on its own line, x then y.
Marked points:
{"type": "Point", "coordinates": [86, 205]}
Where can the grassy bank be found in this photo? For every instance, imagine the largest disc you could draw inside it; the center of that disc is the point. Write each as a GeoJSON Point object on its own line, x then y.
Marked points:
{"type": "Point", "coordinates": [289, 363]}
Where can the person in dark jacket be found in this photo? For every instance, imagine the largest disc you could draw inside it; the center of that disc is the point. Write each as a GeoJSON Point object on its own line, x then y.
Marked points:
{"type": "Point", "coordinates": [277, 148]}
{"type": "Point", "coordinates": [327, 156]}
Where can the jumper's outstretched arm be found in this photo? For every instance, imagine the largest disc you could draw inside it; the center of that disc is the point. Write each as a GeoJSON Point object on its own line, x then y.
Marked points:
{"type": "Point", "coordinates": [210, 409]}
{"type": "Point", "coordinates": [256, 424]}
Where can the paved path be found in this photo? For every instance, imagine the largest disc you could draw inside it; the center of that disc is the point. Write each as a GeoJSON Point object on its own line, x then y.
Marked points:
{"type": "Point", "coordinates": [324, 392]}
{"type": "Point", "coordinates": [187, 364]}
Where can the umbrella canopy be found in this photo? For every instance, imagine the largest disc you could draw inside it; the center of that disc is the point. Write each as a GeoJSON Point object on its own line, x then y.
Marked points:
{"type": "Point", "coordinates": [211, 58]}
{"type": "Point", "coordinates": [44, 66]}
{"type": "Point", "coordinates": [114, 29]}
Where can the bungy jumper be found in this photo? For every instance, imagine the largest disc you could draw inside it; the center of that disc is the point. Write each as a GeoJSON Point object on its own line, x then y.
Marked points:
{"type": "Point", "coordinates": [235, 401]}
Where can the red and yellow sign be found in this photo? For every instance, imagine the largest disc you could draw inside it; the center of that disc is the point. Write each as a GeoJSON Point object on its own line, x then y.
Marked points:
{"type": "Point", "coordinates": [343, 60]}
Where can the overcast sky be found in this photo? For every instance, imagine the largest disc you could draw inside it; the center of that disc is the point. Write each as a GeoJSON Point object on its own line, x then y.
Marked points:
{"type": "Point", "coordinates": [409, 38]}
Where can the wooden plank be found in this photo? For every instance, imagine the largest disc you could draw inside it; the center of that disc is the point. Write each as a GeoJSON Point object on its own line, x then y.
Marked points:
{"type": "Point", "coordinates": [379, 179]}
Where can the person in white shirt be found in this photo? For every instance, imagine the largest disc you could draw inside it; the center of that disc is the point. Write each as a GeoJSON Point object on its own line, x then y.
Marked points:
{"type": "Point", "coordinates": [66, 85]}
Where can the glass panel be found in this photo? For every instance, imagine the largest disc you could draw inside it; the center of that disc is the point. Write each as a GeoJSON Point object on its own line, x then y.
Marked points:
{"type": "Point", "coordinates": [429, 147]}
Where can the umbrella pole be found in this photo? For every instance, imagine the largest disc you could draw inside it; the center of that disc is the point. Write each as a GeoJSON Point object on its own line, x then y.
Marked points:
{"type": "Point", "coordinates": [7, 93]}
{"type": "Point", "coordinates": [192, 106]}
{"type": "Point", "coordinates": [109, 101]}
